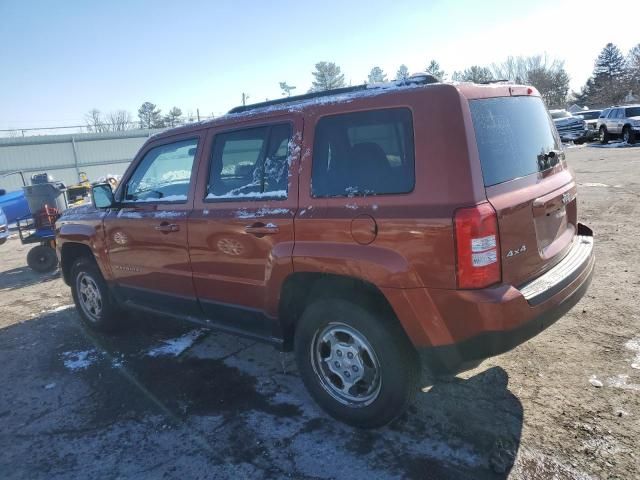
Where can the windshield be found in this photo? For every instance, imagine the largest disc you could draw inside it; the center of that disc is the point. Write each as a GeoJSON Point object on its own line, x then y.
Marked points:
{"type": "Point", "coordinates": [633, 112]}
{"type": "Point", "coordinates": [589, 115]}
{"type": "Point", "coordinates": [513, 135]}
{"type": "Point", "coordinates": [559, 114]}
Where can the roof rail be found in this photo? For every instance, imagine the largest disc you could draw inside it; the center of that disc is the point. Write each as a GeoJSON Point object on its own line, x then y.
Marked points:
{"type": "Point", "coordinates": [297, 98]}
{"type": "Point", "coordinates": [418, 78]}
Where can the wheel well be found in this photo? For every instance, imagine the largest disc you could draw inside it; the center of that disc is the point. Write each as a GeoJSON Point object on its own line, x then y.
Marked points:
{"type": "Point", "coordinates": [301, 289]}
{"type": "Point", "coordinates": [69, 254]}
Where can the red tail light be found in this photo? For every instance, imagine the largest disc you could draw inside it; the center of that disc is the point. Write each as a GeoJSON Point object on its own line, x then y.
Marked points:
{"type": "Point", "coordinates": [477, 246]}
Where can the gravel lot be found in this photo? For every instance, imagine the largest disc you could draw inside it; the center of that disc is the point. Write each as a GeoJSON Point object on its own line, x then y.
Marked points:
{"type": "Point", "coordinates": [166, 400]}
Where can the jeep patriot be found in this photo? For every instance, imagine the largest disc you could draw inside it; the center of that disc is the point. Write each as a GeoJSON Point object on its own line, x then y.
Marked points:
{"type": "Point", "coordinates": [377, 232]}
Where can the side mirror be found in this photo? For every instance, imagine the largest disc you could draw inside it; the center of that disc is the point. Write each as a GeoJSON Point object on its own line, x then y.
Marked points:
{"type": "Point", "coordinates": [2, 192]}
{"type": "Point", "coordinates": [102, 196]}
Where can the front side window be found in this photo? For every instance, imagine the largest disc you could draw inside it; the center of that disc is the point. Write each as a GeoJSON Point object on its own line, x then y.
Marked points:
{"type": "Point", "coordinates": [164, 174]}
{"type": "Point", "coordinates": [364, 153]}
{"type": "Point", "coordinates": [251, 163]}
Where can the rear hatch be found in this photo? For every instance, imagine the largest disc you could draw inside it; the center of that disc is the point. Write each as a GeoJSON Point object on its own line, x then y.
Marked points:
{"type": "Point", "coordinates": [528, 183]}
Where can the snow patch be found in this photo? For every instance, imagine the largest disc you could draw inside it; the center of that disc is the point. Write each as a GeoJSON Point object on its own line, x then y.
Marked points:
{"type": "Point", "coordinates": [262, 212]}
{"type": "Point", "coordinates": [58, 309]}
{"type": "Point", "coordinates": [274, 194]}
{"type": "Point", "coordinates": [634, 346]}
{"type": "Point", "coordinates": [622, 381]}
{"type": "Point", "coordinates": [128, 214]}
{"type": "Point", "coordinates": [170, 198]}
{"type": "Point", "coordinates": [593, 184]}
{"type": "Point", "coordinates": [351, 206]}
{"type": "Point", "coordinates": [80, 360]}
{"type": "Point", "coordinates": [613, 145]}
{"type": "Point", "coordinates": [168, 214]}
{"type": "Point", "coordinates": [176, 346]}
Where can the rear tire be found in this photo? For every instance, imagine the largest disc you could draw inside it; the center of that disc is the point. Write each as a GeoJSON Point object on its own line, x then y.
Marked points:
{"type": "Point", "coordinates": [94, 302]}
{"type": "Point", "coordinates": [628, 136]}
{"type": "Point", "coordinates": [604, 136]}
{"type": "Point", "coordinates": [42, 259]}
{"type": "Point", "coordinates": [358, 366]}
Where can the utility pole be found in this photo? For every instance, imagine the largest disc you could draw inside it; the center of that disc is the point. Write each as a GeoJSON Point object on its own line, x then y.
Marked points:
{"type": "Point", "coordinates": [198, 113]}
{"type": "Point", "coordinates": [245, 97]}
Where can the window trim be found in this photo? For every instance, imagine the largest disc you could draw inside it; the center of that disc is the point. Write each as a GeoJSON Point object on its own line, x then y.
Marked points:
{"type": "Point", "coordinates": [364, 195]}
{"type": "Point", "coordinates": [269, 126]}
{"type": "Point", "coordinates": [120, 191]}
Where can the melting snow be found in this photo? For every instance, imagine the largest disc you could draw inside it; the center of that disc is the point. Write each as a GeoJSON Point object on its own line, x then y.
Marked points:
{"type": "Point", "coordinates": [262, 212]}
{"type": "Point", "coordinates": [351, 206]}
{"type": "Point", "coordinates": [176, 346]}
{"type": "Point", "coordinates": [621, 381]}
{"type": "Point", "coordinates": [168, 214]}
{"type": "Point", "coordinates": [126, 214]}
{"type": "Point", "coordinates": [79, 360]}
{"type": "Point", "coordinates": [634, 346]}
{"type": "Point", "coordinates": [274, 194]}
{"type": "Point", "coordinates": [590, 184]}
{"type": "Point", "coordinates": [58, 309]}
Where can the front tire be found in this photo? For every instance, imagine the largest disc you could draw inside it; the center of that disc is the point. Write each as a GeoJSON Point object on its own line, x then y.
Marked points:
{"type": "Point", "coordinates": [604, 136]}
{"type": "Point", "coordinates": [94, 302]}
{"type": "Point", "coordinates": [357, 365]}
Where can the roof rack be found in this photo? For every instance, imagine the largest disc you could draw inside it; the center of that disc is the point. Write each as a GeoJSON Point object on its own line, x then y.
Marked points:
{"type": "Point", "coordinates": [418, 78]}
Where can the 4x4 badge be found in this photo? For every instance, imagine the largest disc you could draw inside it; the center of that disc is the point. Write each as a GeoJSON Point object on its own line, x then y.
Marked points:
{"type": "Point", "coordinates": [517, 251]}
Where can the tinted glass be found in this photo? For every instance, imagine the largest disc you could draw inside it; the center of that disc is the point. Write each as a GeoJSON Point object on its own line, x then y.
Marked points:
{"type": "Point", "coordinates": [251, 163]}
{"type": "Point", "coordinates": [632, 112]}
{"type": "Point", "coordinates": [164, 174]}
{"type": "Point", "coordinates": [364, 153]}
{"type": "Point", "coordinates": [513, 136]}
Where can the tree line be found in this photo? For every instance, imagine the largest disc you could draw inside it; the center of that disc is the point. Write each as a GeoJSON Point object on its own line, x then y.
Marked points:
{"type": "Point", "coordinates": [615, 79]}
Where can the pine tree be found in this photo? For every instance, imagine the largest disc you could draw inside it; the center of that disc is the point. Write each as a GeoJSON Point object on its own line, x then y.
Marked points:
{"type": "Point", "coordinates": [149, 116]}
{"type": "Point", "coordinates": [174, 117]}
{"type": "Point", "coordinates": [286, 88]}
{"type": "Point", "coordinates": [402, 74]}
{"type": "Point", "coordinates": [327, 76]}
{"type": "Point", "coordinates": [474, 74]}
{"type": "Point", "coordinates": [377, 75]}
{"type": "Point", "coordinates": [434, 69]}
{"type": "Point", "coordinates": [608, 84]}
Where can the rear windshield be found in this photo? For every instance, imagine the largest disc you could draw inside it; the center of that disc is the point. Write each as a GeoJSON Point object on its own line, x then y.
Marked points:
{"type": "Point", "coordinates": [513, 136]}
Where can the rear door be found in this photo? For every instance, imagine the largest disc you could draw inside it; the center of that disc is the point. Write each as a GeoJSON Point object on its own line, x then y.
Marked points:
{"type": "Point", "coordinates": [241, 232]}
{"type": "Point", "coordinates": [147, 236]}
{"type": "Point", "coordinates": [528, 183]}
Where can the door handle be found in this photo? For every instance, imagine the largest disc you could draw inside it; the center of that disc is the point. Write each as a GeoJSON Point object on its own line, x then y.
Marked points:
{"type": "Point", "coordinates": [262, 229]}
{"type": "Point", "coordinates": [166, 227]}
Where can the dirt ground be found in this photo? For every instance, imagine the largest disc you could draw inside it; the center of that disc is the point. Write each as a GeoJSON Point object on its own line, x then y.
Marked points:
{"type": "Point", "coordinates": [165, 400]}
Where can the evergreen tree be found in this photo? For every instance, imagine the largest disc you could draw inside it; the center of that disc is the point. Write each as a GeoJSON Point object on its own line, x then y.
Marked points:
{"type": "Point", "coordinates": [286, 88]}
{"type": "Point", "coordinates": [402, 74]}
{"type": "Point", "coordinates": [327, 76]}
{"type": "Point", "coordinates": [377, 75]}
{"type": "Point", "coordinates": [149, 115]}
{"type": "Point", "coordinates": [434, 69]}
{"type": "Point", "coordinates": [633, 70]}
{"type": "Point", "coordinates": [474, 74]}
{"type": "Point", "coordinates": [609, 81]}
{"type": "Point", "coordinates": [174, 117]}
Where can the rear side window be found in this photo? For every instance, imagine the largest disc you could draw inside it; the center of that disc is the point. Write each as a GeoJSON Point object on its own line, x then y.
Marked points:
{"type": "Point", "coordinates": [632, 112]}
{"type": "Point", "coordinates": [250, 163]}
{"type": "Point", "coordinates": [364, 153]}
{"type": "Point", "coordinates": [514, 134]}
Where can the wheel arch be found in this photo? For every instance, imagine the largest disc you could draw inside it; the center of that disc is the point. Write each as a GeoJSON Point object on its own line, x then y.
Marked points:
{"type": "Point", "coordinates": [70, 252]}
{"type": "Point", "coordinates": [300, 289]}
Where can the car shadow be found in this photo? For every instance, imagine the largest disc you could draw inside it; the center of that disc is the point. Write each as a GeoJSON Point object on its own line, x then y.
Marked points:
{"type": "Point", "coordinates": [23, 277]}
{"type": "Point", "coordinates": [234, 401]}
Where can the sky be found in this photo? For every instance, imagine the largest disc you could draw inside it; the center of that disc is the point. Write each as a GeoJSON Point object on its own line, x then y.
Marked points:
{"type": "Point", "coordinates": [59, 59]}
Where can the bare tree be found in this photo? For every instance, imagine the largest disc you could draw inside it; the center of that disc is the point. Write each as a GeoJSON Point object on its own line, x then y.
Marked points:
{"type": "Point", "coordinates": [548, 76]}
{"type": "Point", "coordinates": [95, 122]}
{"type": "Point", "coordinates": [286, 88]}
{"type": "Point", "coordinates": [119, 121]}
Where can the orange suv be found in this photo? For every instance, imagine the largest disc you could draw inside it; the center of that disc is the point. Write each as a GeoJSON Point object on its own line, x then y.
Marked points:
{"type": "Point", "coordinates": [377, 232]}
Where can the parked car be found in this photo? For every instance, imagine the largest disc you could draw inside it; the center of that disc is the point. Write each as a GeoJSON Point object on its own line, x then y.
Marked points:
{"type": "Point", "coordinates": [376, 232]}
{"type": "Point", "coordinates": [570, 128]}
{"type": "Point", "coordinates": [620, 122]}
{"type": "Point", "coordinates": [590, 118]}
{"type": "Point", "coordinates": [4, 228]}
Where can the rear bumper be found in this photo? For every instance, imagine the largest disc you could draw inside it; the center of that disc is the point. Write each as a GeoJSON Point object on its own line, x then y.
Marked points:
{"type": "Point", "coordinates": [474, 325]}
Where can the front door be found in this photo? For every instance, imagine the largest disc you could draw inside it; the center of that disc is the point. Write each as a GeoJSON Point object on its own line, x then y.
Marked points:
{"type": "Point", "coordinates": [241, 230]}
{"type": "Point", "coordinates": [147, 234]}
